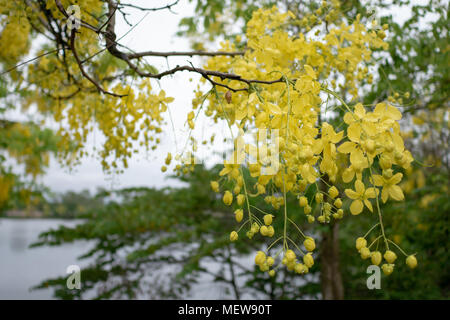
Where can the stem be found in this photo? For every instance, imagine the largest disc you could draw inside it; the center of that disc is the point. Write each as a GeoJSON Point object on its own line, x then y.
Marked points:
{"type": "Point", "coordinates": [379, 211]}
{"type": "Point", "coordinates": [374, 241]}
{"type": "Point", "coordinates": [397, 246]}
{"type": "Point", "coordinates": [303, 235]}
{"type": "Point", "coordinates": [272, 244]}
{"type": "Point", "coordinates": [371, 230]}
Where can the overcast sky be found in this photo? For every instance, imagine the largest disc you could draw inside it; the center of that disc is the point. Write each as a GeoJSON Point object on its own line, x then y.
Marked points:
{"type": "Point", "coordinates": [155, 32]}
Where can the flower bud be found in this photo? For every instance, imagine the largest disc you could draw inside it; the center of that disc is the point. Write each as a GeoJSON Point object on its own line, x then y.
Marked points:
{"type": "Point", "coordinates": [319, 197]}
{"type": "Point", "coordinates": [227, 198]}
{"type": "Point", "coordinates": [308, 260]}
{"type": "Point", "coordinates": [333, 192]}
{"type": "Point", "coordinates": [361, 243]}
{"type": "Point", "coordinates": [303, 201]}
{"type": "Point", "coordinates": [338, 203]}
{"type": "Point", "coordinates": [240, 199]}
{"type": "Point", "coordinates": [264, 231]}
{"type": "Point", "coordinates": [290, 255]}
{"type": "Point", "coordinates": [411, 261]}
{"type": "Point", "coordinates": [387, 268]}
{"type": "Point", "coordinates": [390, 256]}
{"type": "Point", "coordinates": [255, 227]}
{"type": "Point", "coordinates": [239, 214]}
{"type": "Point", "coordinates": [260, 257]}
{"type": "Point", "coordinates": [268, 219]}
{"type": "Point", "coordinates": [376, 258]}
{"type": "Point", "coordinates": [299, 268]}
{"type": "Point", "coordinates": [365, 253]}
{"type": "Point", "coordinates": [309, 244]}
{"type": "Point", "coordinates": [233, 236]}
{"type": "Point", "coordinates": [270, 231]}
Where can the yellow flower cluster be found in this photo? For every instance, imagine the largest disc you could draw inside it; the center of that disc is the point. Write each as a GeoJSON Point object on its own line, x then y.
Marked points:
{"type": "Point", "coordinates": [288, 99]}
{"type": "Point", "coordinates": [58, 88]}
{"type": "Point", "coordinates": [389, 256]}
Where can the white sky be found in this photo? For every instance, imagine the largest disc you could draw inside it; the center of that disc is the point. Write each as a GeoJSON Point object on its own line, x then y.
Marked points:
{"type": "Point", "coordinates": [156, 32]}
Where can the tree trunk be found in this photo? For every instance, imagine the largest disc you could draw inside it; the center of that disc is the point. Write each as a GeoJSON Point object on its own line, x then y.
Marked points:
{"type": "Point", "coordinates": [331, 278]}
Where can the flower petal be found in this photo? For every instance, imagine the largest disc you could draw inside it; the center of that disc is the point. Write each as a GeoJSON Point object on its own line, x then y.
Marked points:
{"type": "Point", "coordinates": [348, 175]}
{"type": "Point", "coordinates": [378, 180]}
{"type": "Point", "coordinates": [368, 205]}
{"type": "Point", "coordinates": [354, 132]}
{"type": "Point", "coordinates": [356, 207]}
{"type": "Point", "coordinates": [396, 178]}
{"type": "Point", "coordinates": [371, 193]}
{"type": "Point", "coordinates": [347, 147]}
{"type": "Point", "coordinates": [396, 193]}
{"type": "Point", "coordinates": [351, 194]}
{"type": "Point", "coordinates": [384, 194]}
{"type": "Point", "coordinates": [359, 187]}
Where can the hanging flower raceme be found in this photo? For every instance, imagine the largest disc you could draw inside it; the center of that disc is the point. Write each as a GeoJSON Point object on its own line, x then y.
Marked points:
{"type": "Point", "coordinates": [295, 148]}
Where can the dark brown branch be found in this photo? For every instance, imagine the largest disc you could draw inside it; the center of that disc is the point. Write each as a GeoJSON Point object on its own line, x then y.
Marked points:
{"type": "Point", "coordinates": [111, 46]}
{"type": "Point", "coordinates": [185, 53]}
{"type": "Point", "coordinates": [85, 74]}
{"type": "Point", "coordinates": [169, 6]}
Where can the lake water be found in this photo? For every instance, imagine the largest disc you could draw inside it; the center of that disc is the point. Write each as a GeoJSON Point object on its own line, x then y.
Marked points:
{"type": "Point", "coordinates": [22, 267]}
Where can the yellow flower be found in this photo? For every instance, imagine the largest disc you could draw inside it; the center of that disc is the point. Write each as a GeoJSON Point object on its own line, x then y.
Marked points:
{"type": "Point", "coordinates": [308, 260]}
{"type": "Point", "coordinates": [303, 201]}
{"type": "Point", "coordinates": [333, 192]}
{"type": "Point", "coordinates": [387, 268]}
{"type": "Point", "coordinates": [309, 244]}
{"type": "Point", "coordinates": [227, 198]}
{"type": "Point", "coordinates": [365, 253]}
{"type": "Point", "coordinates": [270, 231]}
{"type": "Point", "coordinates": [390, 256]}
{"type": "Point", "coordinates": [307, 210]}
{"type": "Point", "coordinates": [239, 214]}
{"type": "Point", "coordinates": [390, 188]}
{"type": "Point", "coordinates": [240, 199]}
{"type": "Point", "coordinates": [260, 257]}
{"type": "Point", "coordinates": [290, 255]}
{"type": "Point", "coordinates": [361, 243]}
{"type": "Point", "coordinates": [360, 197]}
{"type": "Point", "coordinates": [264, 231]}
{"type": "Point", "coordinates": [268, 219]}
{"type": "Point", "coordinates": [411, 261]}
{"type": "Point", "coordinates": [233, 236]}
{"type": "Point", "coordinates": [376, 258]}
{"type": "Point", "coordinates": [215, 186]}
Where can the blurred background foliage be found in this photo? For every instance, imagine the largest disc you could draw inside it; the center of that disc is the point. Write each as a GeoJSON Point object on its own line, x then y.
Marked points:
{"type": "Point", "coordinates": [137, 233]}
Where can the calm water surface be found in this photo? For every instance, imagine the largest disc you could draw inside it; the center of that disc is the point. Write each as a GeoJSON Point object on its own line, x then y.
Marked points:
{"type": "Point", "coordinates": [22, 267]}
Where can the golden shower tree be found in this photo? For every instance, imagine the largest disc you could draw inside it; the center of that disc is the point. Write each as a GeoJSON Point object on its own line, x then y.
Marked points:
{"type": "Point", "coordinates": [297, 80]}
